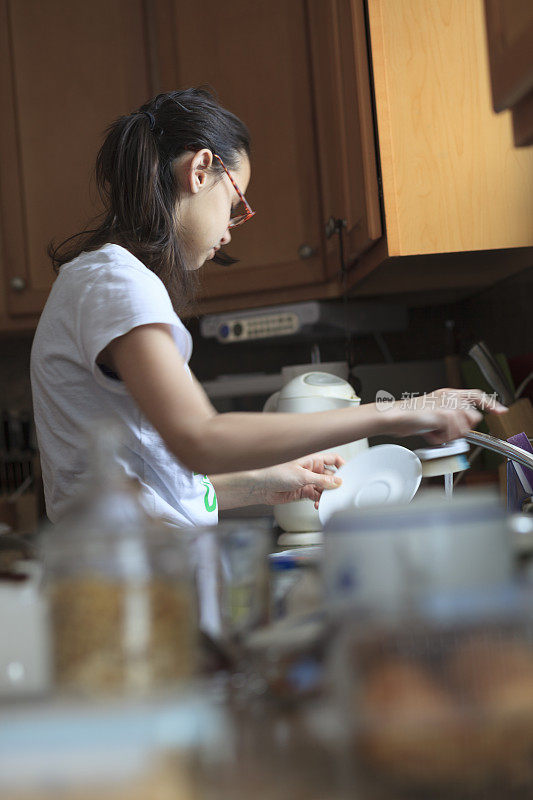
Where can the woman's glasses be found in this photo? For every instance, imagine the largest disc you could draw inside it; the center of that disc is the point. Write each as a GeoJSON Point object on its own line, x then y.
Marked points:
{"type": "Point", "coordinates": [243, 212]}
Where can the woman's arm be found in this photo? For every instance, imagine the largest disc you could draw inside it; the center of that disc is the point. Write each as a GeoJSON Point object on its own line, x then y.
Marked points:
{"type": "Point", "coordinates": [304, 478]}
{"type": "Point", "coordinates": [236, 489]}
{"type": "Point", "coordinates": [149, 363]}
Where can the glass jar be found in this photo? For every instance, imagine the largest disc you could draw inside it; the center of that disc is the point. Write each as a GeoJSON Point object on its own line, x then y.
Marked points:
{"type": "Point", "coordinates": [231, 570]}
{"type": "Point", "coordinates": [439, 703]}
{"type": "Point", "coordinates": [118, 583]}
{"type": "Point", "coordinates": [121, 611]}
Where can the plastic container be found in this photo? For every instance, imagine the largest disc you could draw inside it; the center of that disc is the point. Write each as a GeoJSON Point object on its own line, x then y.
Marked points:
{"type": "Point", "coordinates": [385, 558]}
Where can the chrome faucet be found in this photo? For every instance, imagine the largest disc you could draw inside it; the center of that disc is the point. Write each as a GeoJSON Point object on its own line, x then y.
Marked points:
{"type": "Point", "coordinates": [510, 451]}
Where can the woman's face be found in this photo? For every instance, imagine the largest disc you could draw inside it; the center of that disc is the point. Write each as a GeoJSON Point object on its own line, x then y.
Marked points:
{"type": "Point", "coordinates": [206, 202]}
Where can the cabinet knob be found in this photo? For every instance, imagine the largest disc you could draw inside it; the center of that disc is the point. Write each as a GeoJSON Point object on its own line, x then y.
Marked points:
{"type": "Point", "coordinates": [18, 284]}
{"type": "Point", "coordinates": [306, 251]}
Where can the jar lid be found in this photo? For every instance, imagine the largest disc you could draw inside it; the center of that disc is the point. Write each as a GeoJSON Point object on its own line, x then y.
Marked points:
{"type": "Point", "coordinates": [429, 508]}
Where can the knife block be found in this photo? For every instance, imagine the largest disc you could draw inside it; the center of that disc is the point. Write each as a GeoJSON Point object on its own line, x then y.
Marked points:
{"type": "Point", "coordinates": [518, 419]}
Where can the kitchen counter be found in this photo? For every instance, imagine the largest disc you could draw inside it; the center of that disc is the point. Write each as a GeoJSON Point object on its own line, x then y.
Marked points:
{"type": "Point", "coordinates": [208, 742]}
{"type": "Point", "coordinates": [232, 736]}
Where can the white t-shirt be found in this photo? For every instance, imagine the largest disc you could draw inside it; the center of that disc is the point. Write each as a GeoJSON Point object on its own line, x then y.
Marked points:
{"type": "Point", "coordinates": [95, 298]}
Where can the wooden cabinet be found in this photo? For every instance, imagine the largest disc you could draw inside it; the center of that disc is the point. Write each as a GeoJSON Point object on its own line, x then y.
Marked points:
{"type": "Point", "coordinates": [457, 194]}
{"type": "Point", "coordinates": [452, 180]}
{"type": "Point", "coordinates": [344, 126]}
{"type": "Point", "coordinates": [342, 97]}
{"type": "Point", "coordinates": [510, 44]}
{"type": "Point", "coordinates": [457, 197]}
{"type": "Point", "coordinates": [289, 70]}
{"type": "Point", "coordinates": [67, 68]}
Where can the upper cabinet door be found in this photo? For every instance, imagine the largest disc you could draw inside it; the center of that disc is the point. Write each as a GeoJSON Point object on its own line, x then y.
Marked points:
{"type": "Point", "coordinates": [510, 43]}
{"type": "Point", "coordinates": [256, 56]}
{"type": "Point", "coordinates": [510, 39]}
{"type": "Point", "coordinates": [67, 70]}
{"type": "Point", "coordinates": [345, 125]}
{"type": "Point", "coordinates": [452, 179]}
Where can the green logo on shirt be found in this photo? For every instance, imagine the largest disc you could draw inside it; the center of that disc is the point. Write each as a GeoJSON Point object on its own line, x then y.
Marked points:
{"type": "Point", "coordinates": [210, 497]}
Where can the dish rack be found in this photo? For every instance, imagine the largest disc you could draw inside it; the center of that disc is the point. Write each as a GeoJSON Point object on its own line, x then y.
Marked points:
{"type": "Point", "coordinates": [21, 501]}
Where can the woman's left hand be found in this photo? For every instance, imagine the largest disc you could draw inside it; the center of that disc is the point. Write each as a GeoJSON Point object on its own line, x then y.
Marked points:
{"type": "Point", "coordinates": [295, 480]}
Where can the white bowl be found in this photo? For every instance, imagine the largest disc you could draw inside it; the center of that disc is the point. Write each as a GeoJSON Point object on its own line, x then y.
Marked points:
{"type": "Point", "coordinates": [381, 475]}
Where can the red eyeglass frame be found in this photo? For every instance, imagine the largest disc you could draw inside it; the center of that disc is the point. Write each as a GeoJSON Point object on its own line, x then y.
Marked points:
{"type": "Point", "coordinates": [240, 220]}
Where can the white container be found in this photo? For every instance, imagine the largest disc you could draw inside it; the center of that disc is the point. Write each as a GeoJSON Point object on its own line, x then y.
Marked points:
{"type": "Point", "coordinates": [383, 558]}
{"type": "Point", "coordinates": [25, 661]}
{"type": "Point", "coordinates": [304, 394]}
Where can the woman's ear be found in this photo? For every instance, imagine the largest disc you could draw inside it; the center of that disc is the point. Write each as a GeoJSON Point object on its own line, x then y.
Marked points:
{"type": "Point", "coordinates": [198, 172]}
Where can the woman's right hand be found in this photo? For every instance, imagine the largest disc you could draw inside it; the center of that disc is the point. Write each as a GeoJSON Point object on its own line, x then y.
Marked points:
{"type": "Point", "coordinates": [442, 415]}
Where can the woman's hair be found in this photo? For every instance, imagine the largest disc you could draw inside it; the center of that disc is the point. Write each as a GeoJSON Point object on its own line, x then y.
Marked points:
{"type": "Point", "coordinates": [138, 186]}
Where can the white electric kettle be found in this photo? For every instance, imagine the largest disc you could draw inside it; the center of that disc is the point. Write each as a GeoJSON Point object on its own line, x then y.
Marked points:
{"type": "Point", "coordinates": [312, 391]}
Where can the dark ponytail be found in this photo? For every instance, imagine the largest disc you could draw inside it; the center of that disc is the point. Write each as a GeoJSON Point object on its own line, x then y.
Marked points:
{"type": "Point", "coordinates": [138, 188]}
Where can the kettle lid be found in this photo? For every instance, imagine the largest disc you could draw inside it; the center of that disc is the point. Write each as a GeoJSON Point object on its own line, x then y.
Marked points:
{"type": "Point", "coordinates": [322, 384]}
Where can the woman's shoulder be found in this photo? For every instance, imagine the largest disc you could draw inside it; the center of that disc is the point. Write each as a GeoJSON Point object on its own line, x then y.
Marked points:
{"type": "Point", "coordinates": [109, 255]}
{"type": "Point", "coordinates": [110, 263]}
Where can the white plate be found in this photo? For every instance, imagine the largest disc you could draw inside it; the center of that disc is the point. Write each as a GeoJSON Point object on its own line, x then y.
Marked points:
{"type": "Point", "coordinates": [384, 474]}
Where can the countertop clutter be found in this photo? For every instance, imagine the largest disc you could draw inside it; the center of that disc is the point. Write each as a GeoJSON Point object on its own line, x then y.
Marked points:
{"type": "Point", "coordinates": [217, 665]}
{"type": "Point", "coordinates": [392, 659]}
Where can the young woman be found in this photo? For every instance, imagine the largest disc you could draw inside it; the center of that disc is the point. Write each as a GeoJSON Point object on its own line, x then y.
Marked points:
{"type": "Point", "coordinates": [110, 343]}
